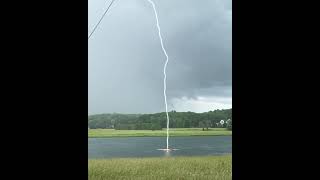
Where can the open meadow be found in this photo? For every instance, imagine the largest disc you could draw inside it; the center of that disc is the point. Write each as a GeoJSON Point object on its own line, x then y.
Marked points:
{"type": "Point", "coordinates": [104, 133]}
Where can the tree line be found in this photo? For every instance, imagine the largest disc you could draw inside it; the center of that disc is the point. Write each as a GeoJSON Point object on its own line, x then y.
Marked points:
{"type": "Point", "coordinates": [212, 119]}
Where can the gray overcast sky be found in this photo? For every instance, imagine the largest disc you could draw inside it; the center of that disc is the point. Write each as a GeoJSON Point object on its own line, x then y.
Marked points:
{"type": "Point", "coordinates": [126, 61]}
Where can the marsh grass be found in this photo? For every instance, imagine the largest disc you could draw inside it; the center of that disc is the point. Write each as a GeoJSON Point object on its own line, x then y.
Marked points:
{"type": "Point", "coordinates": [175, 168]}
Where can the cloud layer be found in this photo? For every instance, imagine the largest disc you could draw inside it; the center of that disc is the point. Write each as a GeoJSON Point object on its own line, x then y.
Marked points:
{"type": "Point", "coordinates": [126, 61]}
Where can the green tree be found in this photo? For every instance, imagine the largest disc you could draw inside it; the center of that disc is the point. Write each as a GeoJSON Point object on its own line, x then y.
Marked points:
{"type": "Point", "coordinates": [92, 124]}
{"type": "Point", "coordinates": [202, 125]}
{"type": "Point", "coordinates": [229, 124]}
{"type": "Point", "coordinates": [207, 124]}
{"type": "Point", "coordinates": [155, 126]}
{"type": "Point", "coordinates": [113, 122]}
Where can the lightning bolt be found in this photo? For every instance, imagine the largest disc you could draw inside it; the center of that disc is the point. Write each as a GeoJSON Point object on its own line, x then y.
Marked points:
{"type": "Point", "coordinates": [164, 69]}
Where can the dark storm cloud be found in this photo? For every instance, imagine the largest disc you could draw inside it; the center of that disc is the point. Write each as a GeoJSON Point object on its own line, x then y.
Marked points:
{"type": "Point", "coordinates": [126, 61]}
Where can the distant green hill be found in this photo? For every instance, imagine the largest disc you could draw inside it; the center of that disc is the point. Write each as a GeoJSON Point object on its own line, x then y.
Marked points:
{"type": "Point", "coordinates": [156, 121]}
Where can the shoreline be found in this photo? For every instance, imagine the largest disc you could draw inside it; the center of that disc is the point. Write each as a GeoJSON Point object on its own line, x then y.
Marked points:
{"type": "Point", "coordinates": [117, 136]}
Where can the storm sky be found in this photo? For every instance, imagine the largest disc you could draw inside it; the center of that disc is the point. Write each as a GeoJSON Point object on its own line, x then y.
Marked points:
{"type": "Point", "coordinates": [126, 61]}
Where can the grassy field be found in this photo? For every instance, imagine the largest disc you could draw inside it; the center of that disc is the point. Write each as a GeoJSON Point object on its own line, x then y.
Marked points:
{"type": "Point", "coordinates": [102, 133]}
{"type": "Point", "coordinates": [178, 168]}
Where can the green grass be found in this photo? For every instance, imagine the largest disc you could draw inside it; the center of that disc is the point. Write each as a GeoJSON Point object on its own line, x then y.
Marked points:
{"type": "Point", "coordinates": [103, 133]}
{"type": "Point", "coordinates": [178, 168]}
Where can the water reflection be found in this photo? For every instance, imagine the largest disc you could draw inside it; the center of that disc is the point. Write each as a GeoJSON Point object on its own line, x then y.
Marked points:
{"type": "Point", "coordinates": [167, 154]}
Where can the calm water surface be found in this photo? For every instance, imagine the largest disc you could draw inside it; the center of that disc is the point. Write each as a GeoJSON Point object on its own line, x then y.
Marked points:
{"type": "Point", "coordinates": [147, 146]}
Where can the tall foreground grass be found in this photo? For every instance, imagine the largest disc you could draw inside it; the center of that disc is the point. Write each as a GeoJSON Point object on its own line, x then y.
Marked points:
{"type": "Point", "coordinates": [178, 168]}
